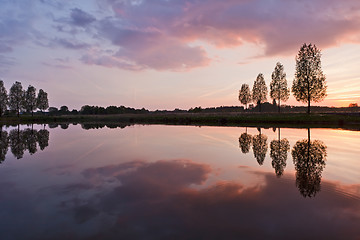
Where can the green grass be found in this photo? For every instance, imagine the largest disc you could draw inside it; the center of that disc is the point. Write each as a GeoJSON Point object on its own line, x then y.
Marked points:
{"type": "Point", "coordinates": [348, 121]}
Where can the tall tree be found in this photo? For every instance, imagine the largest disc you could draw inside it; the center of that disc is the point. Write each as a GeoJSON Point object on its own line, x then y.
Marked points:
{"type": "Point", "coordinates": [3, 98]}
{"type": "Point", "coordinates": [259, 90]}
{"type": "Point", "coordinates": [310, 82]}
{"type": "Point", "coordinates": [42, 102]}
{"type": "Point", "coordinates": [30, 100]}
{"type": "Point", "coordinates": [245, 95]}
{"type": "Point", "coordinates": [278, 85]}
{"type": "Point", "coordinates": [16, 97]}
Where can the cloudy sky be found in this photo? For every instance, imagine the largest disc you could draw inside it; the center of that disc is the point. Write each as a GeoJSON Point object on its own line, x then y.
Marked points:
{"type": "Point", "coordinates": [166, 54]}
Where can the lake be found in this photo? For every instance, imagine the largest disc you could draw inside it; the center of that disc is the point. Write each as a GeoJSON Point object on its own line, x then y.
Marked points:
{"type": "Point", "coordinates": [178, 182]}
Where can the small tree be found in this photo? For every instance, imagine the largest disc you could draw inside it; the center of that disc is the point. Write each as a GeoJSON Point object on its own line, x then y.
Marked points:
{"type": "Point", "coordinates": [30, 100]}
{"type": "Point", "coordinates": [42, 101]}
{"type": "Point", "coordinates": [16, 97]}
{"type": "Point", "coordinates": [245, 95]}
{"type": "Point", "coordinates": [278, 85]}
{"type": "Point", "coordinates": [309, 83]}
{"type": "Point", "coordinates": [259, 90]}
{"type": "Point", "coordinates": [3, 98]}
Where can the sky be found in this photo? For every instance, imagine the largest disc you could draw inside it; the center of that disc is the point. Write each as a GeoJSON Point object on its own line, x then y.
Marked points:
{"type": "Point", "coordinates": [167, 54]}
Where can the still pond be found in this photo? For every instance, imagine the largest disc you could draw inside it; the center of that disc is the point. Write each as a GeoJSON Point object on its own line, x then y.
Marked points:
{"type": "Point", "coordinates": [178, 182]}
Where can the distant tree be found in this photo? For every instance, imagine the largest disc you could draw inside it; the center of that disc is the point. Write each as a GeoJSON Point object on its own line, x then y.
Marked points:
{"type": "Point", "coordinates": [259, 90]}
{"type": "Point", "coordinates": [3, 98]}
{"type": "Point", "coordinates": [351, 105]}
{"type": "Point", "coordinates": [42, 101]}
{"type": "Point", "coordinates": [53, 110]}
{"type": "Point", "coordinates": [260, 147]}
{"type": "Point", "coordinates": [278, 85]}
{"type": "Point", "coordinates": [245, 95]}
{"type": "Point", "coordinates": [64, 110]}
{"type": "Point", "coordinates": [309, 83]}
{"type": "Point", "coordinates": [16, 97]}
{"type": "Point", "coordinates": [30, 100]}
{"type": "Point", "coordinates": [309, 159]}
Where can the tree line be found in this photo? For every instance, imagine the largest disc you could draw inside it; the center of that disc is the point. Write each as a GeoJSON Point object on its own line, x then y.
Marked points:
{"type": "Point", "coordinates": [308, 86]}
{"type": "Point", "coordinates": [19, 100]}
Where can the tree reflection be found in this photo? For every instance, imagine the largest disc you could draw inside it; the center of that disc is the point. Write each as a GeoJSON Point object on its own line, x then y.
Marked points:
{"type": "Point", "coordinates": [309, 158]}
{"type": "Point", "coordinates": [22, 140]}
{"type": "Point", "coordinates": [260, 147]}
{"type": "Point", "coordinates": [278, 153]}
{"type": "Point", "coordinates": [29, 136]}
{"type": "Point", "coordinates": [43, 138]}
{"type": "Point", "coordinates": [17, 144]}
{"type": "Point", "coordinates": [245, 142]}
{"type": "Point", "coordinates": [4, 144]}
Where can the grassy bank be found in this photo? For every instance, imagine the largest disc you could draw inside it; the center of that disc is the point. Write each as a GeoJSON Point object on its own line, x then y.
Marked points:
{"type": "Point", "coordinates": [347, 121]}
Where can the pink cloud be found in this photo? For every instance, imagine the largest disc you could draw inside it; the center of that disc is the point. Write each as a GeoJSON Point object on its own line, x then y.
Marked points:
{"type": "Point", "coordinates": [280, 26]}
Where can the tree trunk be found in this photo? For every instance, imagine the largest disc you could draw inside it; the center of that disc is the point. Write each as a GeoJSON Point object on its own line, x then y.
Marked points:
{"type": "Point", "coordinates": [308, 110]}
{"type": "Point", "coordinates": [279, 106]}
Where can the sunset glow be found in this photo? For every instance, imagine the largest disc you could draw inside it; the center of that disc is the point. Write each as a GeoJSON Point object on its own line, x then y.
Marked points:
{"type": "Point", "coordinates": [167, 54]}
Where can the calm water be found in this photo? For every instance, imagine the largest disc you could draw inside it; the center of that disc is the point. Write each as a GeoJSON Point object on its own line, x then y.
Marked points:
{"type": "Point", "coordinates": [178, 182]}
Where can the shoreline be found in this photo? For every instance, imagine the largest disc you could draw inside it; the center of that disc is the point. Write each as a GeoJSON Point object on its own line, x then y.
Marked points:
{"type": "Point", "coordinates": [296, 120]}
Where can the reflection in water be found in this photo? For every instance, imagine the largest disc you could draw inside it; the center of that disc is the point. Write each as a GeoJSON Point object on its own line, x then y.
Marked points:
{"type": "Point", "coordinates": [309, 159]}
{"type": "Point", "coordinates": [4, 143]}
{"type": "Point", "coordinates": [22, 140]}
{"type": "Point", "coordinates": [278, 153]}
{"type": "Point", "coordinates": [260, 147]}
{"type": "Point", "coordinates": [245, 142]}
{"type": "Point", "coordinates": [88, 126]}
{"type": "Point", "coordinates": [118, 192]}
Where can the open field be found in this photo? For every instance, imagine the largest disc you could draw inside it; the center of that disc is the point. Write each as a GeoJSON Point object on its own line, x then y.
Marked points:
{"type": "Point", "coordinates": [347, 121]}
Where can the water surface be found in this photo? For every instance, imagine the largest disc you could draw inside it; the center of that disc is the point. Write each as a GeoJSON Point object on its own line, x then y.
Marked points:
{"type": "Point", "coordinates": [178, 182]}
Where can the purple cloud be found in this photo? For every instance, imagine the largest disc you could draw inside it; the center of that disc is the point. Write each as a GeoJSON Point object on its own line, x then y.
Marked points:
{"type": "Point", "coordinates": [81, 18]}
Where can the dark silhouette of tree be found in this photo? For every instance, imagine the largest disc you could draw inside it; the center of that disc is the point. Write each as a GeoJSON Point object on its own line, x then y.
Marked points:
{"type": "Point", "coordinates": [260, 147]}
{"type": "Point", "coordinates": [278, 85]}
{"type": "Point", "coordinates": [278, 153]}
{"type": "Point", "coordinates": [43, 138]}
{"type": "Point", "coordinates": [4, 100]}
{"type": "Point", "coordinates": [309, 159]}
{"type": "Point", "coordinates": [64, 125]}
{"type": "Point", "coordinates": [30, 100]}
{"type": "Point", "coordinates": [4, 145]}
{"type": "Point", "coordinates": [16, 97]}
{"type": "Point", "coordinates": [259, 90]}
{"type": "Point", "coordinates": [17, 144]}
{"type": "Point", "coordinates": [245, 142]}
{"type": "Point", "coordinates": [309, 83]}
{"type": "Point", "coordinates": [245, 95]}
{"type": "Point", "coordinates": [42, 101]}
{"type": "Point", "coordinates": [30, 139]}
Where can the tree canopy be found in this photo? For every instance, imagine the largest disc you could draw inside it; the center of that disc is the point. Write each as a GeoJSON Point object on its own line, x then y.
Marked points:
{"type": "Point", "coordinates": [309, 84]}
{"type": "Point", "coordinates": [278, 86]}
{"type": "Point", "coordinates": [259, 91]}
{"type": "Point", "coordinates": [3, 98]}
{"type": "Point", "coordinates": [245, 95]}
{"type": "Point", "coordinates": [16, 97]}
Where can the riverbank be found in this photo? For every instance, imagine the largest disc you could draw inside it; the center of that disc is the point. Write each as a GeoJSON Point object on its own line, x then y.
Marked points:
{"type": "Point", "coordinates": [325, 120]}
